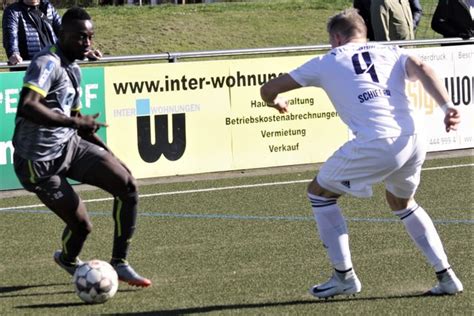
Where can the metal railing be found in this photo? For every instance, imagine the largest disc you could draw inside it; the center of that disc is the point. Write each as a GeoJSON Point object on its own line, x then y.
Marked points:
{"type": "Point", "coordinates": [175, 56]}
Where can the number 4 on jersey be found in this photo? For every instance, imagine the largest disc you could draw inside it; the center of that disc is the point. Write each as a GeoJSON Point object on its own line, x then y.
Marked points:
{"type": "Point", "coordinates": [370, 67]}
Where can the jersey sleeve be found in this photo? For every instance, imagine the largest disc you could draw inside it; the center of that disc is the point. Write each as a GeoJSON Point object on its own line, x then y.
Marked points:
{"type": "Point", "coordinates": [402, 57]}
{"type": "Point", "coordinates": [308, 74]}
{"type": "Point", "coordinates": [77, 105]}
{"type": "Point", "coordinates": [40, 74]}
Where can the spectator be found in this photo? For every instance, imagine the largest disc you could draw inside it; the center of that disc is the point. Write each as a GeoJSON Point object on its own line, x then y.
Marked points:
{"type": "Point", "coordinates": [416, 12]}
{"type": "Point", "coordinates": [391, 20]}
{"type": "Point", "coordinates": [5, 3]}
{"type": "Point", "coordinates": [453, 18]}
{"type": "Point", "coordinates": [29, 26]}
{"type": "Point", "coordinates": [363, 6]}
{"type": "Point", "coordinates": [364, 10]}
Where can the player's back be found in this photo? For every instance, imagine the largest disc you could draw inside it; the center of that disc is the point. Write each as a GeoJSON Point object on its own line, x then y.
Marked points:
{"type": "Point", "coordinates": [366, 84]}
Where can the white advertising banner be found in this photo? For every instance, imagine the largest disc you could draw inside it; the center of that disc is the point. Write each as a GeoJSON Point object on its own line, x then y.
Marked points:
{"type": "Point", "coordinates": [455, 67]}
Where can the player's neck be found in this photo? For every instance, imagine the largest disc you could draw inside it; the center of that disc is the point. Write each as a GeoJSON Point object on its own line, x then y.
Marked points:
{"type": "Point", "coordinates": [356, 40]}
{"type": "Point", "coordinates": [65, 54]}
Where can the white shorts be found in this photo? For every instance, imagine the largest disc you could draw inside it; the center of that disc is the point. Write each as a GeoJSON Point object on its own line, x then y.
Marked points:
{"type": "Point", "coordinates": [356, 166]}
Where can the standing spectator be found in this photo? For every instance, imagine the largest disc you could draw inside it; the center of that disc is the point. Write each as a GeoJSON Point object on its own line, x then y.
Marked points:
{"type": "Point", "coordinates": [364, 10]}
{"type": "Point", "coordinates": [363, 6]}
{"type": "Point", "coordinates": [416, 12]}
{"type": "Point", "coordinates": [391, 20]}
{"type": "Point", "coordinates": [454, 18]}
{"type": "Point", "coordinates": [29, 26]}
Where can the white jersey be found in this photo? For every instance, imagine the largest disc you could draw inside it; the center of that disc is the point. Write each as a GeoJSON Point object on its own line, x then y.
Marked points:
{"type": "Point", "coordinates": [366, 84]}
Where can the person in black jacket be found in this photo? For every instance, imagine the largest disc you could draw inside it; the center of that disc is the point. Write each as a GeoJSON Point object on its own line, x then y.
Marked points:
{"type": "Point", "coordinates": [453, 19]}
{"type": "Point", "coordinates": [364, 10]}
{"type": "Point", "coordinates": [29, 26]}
{"type": "Point", "coordinates": [363, 6]}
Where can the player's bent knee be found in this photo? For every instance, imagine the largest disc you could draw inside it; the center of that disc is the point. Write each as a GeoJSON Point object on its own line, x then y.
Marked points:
{"type": "Point", "coordinates": [132, 185]}
{"type": "Point", "coordinates": [130, 198]}
{"type": "Point", "coordinates": [127, 186]}
{"type": "Point", "coordinates": [398, 203]}
{"type": "Point", "coordinates": [315, 189]}
{"type": "Point", "coordinates": [129, 194]}
{"type": "Point", "coordinates": [82, 229]}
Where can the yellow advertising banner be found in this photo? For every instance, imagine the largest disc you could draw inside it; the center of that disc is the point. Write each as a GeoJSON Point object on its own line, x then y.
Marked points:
{"type": "Point", "coordinates": [195, 117]}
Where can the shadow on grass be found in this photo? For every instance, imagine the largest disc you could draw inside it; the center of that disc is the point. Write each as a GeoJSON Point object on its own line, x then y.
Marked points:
{"type": "Point", "coordinates": [15, 288]}
{"type": "Point", "coordinates": [55, 305]}
{"type": "Point", "coordinates": [10, 291]}
{"type": "Point", "coordinates": [218, 308]}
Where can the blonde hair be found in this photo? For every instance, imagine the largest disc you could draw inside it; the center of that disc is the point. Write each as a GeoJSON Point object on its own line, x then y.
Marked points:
{"type": "Point", "coordinates": [348, 23]}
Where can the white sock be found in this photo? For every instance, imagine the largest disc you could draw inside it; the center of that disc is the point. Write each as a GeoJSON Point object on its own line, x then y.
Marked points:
{"type": "Point", "coordinates": [332, 230]}
{"type": "Point", "coordinates": [421, 229]}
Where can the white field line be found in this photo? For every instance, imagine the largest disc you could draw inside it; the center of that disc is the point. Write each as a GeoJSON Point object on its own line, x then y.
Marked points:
{"type": "Point", "coordinates": [244, 186]}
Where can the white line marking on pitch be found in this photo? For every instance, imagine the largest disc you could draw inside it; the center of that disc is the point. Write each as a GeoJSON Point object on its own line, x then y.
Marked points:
{"type": "Point", "coordinates": [244, 186]}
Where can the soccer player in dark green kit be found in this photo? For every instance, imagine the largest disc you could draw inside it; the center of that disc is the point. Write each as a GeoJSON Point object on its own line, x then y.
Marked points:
{"type": "Point", "coordinates": [53, 141]}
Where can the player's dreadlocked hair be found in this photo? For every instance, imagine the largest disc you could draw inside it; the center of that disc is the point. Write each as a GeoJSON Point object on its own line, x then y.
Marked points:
{"type": "Point", "coordinates": [75, 13]}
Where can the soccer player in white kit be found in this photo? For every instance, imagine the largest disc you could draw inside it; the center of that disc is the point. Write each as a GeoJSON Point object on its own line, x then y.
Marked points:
{"type": "Point", "coordinates": [366, 84]}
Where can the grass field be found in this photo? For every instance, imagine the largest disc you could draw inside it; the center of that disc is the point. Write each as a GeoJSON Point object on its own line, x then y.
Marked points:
{"type": "Point", "coordinates": [244, 245]}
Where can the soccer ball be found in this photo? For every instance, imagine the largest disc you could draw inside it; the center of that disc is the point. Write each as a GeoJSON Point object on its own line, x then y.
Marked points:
{"type": "Point", "coordinates": [95, 281]}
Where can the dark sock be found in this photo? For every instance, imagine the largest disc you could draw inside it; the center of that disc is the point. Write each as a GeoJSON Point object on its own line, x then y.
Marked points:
{"type": "Point", "coordinates": [66, 262]}
{"type": "Point", "coordinates": [115, 261]}
{"type": "Point", "coordinates": [72, 245]}
{"type": "Point", "coordinates": [125, 215]}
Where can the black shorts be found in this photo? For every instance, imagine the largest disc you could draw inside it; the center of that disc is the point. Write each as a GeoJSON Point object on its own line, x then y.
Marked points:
{"type": "Point", "coordinates": [77, 158]}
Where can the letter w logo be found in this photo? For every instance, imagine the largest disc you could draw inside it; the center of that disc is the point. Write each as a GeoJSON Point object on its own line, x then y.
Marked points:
{"type": "Point", "coordinates": [152, 152]}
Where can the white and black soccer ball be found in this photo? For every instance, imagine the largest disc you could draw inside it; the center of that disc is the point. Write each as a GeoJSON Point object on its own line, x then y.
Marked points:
{"type": "Point", "coordinates": [95, 281]}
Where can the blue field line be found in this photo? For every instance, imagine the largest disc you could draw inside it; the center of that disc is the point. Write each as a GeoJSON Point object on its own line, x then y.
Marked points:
{"type": "Point", "coordinates": [244, 217]}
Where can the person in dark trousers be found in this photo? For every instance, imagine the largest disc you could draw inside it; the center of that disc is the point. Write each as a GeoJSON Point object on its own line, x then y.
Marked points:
{"type": "Point", "coordinates": [29, 26]}
{"type": "Point", "coordinates": [363, 7]}
{"type": "Point", "coordinates": [53, 141]}
{"type": "Point", "coordinates": [452, 18]}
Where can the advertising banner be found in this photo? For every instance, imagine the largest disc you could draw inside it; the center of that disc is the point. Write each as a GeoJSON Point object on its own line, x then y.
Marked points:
{"type": "Point", "coordinates": [10, 87]}
{"type": "Point", "coordinates": [195, 117]}
{"type": "Point", "coordinates": [454, 66]}
{"type": "Point", "coordinates": [207, 116]}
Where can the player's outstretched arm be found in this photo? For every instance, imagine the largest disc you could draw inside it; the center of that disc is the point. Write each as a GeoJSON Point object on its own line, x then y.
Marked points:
{"type": "Point", "coordinates": [270, 91]}
{"type": "Point", "coordinates": [32, 108]}
{"type": "Point", "coordinates": [418, 70]}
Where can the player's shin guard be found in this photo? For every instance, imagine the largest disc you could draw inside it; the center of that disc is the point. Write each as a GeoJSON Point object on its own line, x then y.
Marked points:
{"type": "Point", "coordinates": [421, 229]}
{"type": "Point", "coordinates": [125, 216]}
{"type": "Point", "coordinates": [332, 230]}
